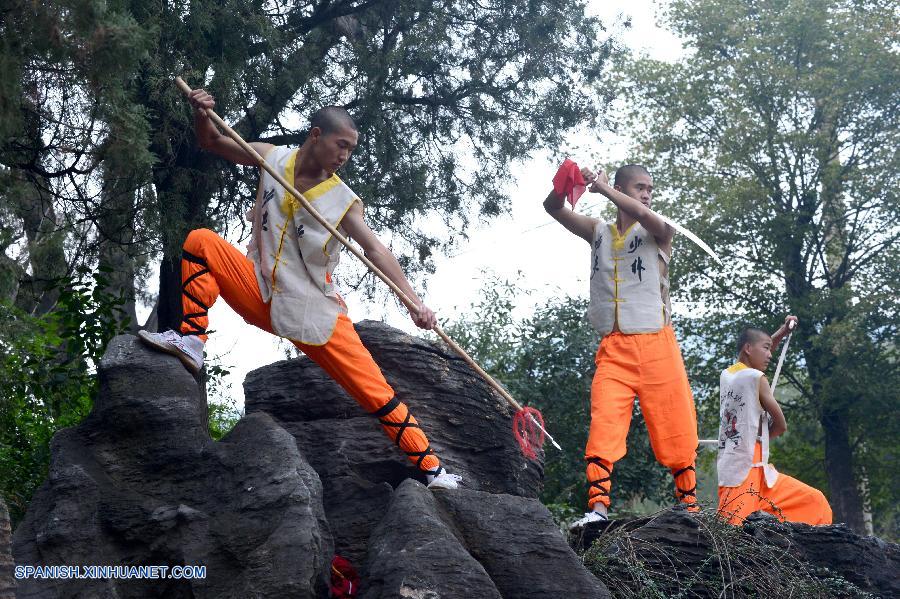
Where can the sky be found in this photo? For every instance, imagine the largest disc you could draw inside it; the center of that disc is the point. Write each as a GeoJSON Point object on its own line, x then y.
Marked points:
{"type": "Point", "coordinates": [524, 245]}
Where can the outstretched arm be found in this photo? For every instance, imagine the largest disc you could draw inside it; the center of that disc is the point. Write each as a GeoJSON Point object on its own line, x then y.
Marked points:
{"type": "Point", "coordinates": [355, 226]}
{"type": "Point", "coordinates": [579, 224]}
{"type": "Point", "coordinates": [630, 206]}
{"type": "Point", "coordinates": [783, 330]}
{"type": "Point", "coordinates": [210, 138]}
{"type": "Point", "coordinates": [767, 399]}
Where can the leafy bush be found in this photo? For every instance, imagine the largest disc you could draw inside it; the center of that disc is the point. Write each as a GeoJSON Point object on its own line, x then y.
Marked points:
{"type": "Point", "coordinates": [47, 366]}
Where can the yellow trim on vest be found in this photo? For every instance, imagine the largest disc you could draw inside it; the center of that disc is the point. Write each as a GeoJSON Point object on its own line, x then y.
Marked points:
{"type": "Point", "coordinates": [619, 239]}
{"type": "Point", "coordinates": [618, 245]}
{"type": "Point", "coordinates": [338, 224]}
{"type": "Point", "coordinates": [322, 188]}
{"type": "Point", "coordinates": [288, 202]}
{"type": "Point", "coordinates": [277, 255]}
{"type": "Point", "coordinates": [737, 367]}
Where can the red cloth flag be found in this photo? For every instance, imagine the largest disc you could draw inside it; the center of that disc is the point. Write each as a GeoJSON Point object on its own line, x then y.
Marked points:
{"type": "Point", "coordinates": [568, 182]}
{"type": "Point", "coordinates": [344, 579]}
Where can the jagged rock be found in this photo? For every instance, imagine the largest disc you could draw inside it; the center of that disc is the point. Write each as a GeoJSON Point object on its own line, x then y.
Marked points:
{"type": "Point", "coordinates": [140, 482]}
{"type": "Point", "coordinates": [468, 424]}
{"type": "Point", "coordinates": [868, 562]}
{"type": "Point", "coordinates": [519, 545]}
{"type": "Point", "coordinates": [463, 543]}
{"type": "Point", "coordinates": [7, 582]}
{"type": "Point", "coordinates": [413, 552]}
{"type": "Point", "coordinates": [695, 551]}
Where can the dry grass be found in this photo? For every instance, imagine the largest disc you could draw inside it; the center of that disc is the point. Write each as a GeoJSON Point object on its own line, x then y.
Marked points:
{"type": "Point", "coordinates": [700, 555]}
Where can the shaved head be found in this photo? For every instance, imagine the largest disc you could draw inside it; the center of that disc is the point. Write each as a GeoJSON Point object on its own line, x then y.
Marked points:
{"type": "Point", "coordinates": [628, 172]}
{"type": "Point", "coordinates": [331, 118]}
{"type": "Point", "coordinates": [750, 335]}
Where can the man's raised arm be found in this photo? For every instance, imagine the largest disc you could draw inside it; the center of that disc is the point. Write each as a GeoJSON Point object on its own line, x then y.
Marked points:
{"type": "Point", "coordinates": [210, 138]}
{"type": "Point", "coordinates": [783, 330]}
{"type": "Point", "coordinates": [630, 206]}
{"type": "Point", "coordinates": [579, 224]}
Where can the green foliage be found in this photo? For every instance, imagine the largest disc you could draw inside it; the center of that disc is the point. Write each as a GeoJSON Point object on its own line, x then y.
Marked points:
{"type": "Point", "coordinates": [445, 94]}
{"type": "Point", "coordinates": [48, 367]}
{"type": "Point", "coordinates": [222, 409]}
{"type": "Point", "coordinates": [771, 140]}
{"type": "Point", "coordinates": [723, 561]}
{"type": "Point", "coordinates": [547, 361]}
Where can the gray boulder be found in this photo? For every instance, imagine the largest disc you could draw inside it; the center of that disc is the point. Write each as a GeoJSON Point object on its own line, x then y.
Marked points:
{"type": "Point", "coordinates": [463, 543]}
{"type": "Point", "coordinates": [140, 482]}
{"type": "Point", "coordinates": [414, 552]}
{"type": "Point", "coordinates": [677, 552]}
{"type": "Point", "coordinates": [468, 425]}
{"type": "Point", "coordinates": [519, 545]}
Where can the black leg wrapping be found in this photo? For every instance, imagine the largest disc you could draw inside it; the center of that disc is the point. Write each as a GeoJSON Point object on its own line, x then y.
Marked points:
{"type": "Point", "coordinates": [692, 492]}
{"type": "Point", "coordinates": [596, 484]}
{"type": "Point", "coordinates": [188, 319]}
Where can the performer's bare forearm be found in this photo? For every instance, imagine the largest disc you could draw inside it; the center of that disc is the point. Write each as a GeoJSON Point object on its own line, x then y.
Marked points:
{"type": "Point", "coordinates": [579, 224]}
{"type": "Point", "coordinates": [385, 260]}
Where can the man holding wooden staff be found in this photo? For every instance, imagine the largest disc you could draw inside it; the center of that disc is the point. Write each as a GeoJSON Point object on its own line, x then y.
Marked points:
{"type": "Point", "coordinates": [284, 283]}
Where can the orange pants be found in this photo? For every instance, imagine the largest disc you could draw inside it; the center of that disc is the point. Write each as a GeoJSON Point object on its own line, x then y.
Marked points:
{"type": "Point", "coordinates": [650, 367]}
{"type": "Point", "coordinates": [789, 499]}
{"type": "Point", "coordinates": [211, 266]}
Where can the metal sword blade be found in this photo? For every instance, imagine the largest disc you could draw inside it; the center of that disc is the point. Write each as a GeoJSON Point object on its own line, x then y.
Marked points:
{"type": "Point", "coordinates": [781, 362]}
{"type": "Point", "coordinates": [702, 244]}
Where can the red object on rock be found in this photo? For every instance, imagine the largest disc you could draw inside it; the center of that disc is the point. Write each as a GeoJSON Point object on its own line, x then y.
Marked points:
{"type": "Point", "coordinates": [527, 432]}
{"type": "Point", "coordinates": [344, 579]}
{"type": "Point", "coordinates": [568, 182]}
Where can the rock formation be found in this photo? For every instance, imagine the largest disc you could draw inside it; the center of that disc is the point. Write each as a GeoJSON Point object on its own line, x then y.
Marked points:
{"type": "Point", "coordinates": [701, 556]}
{"type": "Point", "coordinates": [468, 425]}
{"type": "Point", "coordinates": [307, 474]}
{"type": "Point", "coordinates": [140, 482]}
{"type": "Point", "coordinates": [398, 539]}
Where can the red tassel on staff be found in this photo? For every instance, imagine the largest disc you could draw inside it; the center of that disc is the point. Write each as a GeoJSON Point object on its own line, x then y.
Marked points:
{"type": "Point", "coordinates": [528, 428]}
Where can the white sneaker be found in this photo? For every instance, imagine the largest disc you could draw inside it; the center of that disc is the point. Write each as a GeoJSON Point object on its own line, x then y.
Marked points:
{"type": "Point", "coordinates": [588, 517]}
{"type": "Point", "coordinates": [188, 349]}
{"type": "Point", "coordinates": [444, 480]}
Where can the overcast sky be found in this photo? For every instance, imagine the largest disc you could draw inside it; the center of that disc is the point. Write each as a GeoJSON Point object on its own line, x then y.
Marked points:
{"type": "Point", "coordinates": [524, 245]}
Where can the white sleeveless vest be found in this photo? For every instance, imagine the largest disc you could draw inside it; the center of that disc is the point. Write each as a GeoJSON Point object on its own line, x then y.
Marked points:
{"type": "Point", "coordinates": [739, 417]}
{"type": "Point", "coordinates": [629, 281]}
{"type": "Point", "coordinates": [294, 256]}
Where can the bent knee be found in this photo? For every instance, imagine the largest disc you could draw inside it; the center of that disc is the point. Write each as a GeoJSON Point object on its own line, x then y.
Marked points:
{"type": "Point", "coordinates": [198, 238]}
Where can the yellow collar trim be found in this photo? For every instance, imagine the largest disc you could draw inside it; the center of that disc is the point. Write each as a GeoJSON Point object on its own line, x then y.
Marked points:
{"type": "Point", "coordinates": [619, 239]}
{"type": "Point", "coordinates": [316, 191]}
{"type": "Point", "coordinates": [736, 367]}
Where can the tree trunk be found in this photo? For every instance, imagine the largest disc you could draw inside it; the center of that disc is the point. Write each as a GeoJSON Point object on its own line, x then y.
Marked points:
{"type": "Point", "coordinates": [846, 501]}
{"type": "Point", "coordinates": [32, 201]}
{"type": "Point", "coordinates": [7, 581]}
{"type": "Point", "coordinates": [116, 236]}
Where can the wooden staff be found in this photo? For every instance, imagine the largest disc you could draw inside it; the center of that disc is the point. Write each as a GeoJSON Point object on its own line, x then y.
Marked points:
{"type": "Point", "coordinates": [346, 242]}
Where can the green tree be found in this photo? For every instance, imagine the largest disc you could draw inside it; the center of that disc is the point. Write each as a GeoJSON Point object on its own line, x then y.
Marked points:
{"type": "Point", "coordinates": [48, 366]}
{"type": "Point", "coordinates": [112, 150]}
{"type": "Point", "coordinates": [777, 133]}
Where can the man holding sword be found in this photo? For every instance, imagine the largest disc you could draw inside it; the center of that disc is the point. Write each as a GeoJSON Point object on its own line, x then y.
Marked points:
{"type": "Point", "coordinates": [638, 353]}
{"type": "Point", "coordinates": [749, 417]}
